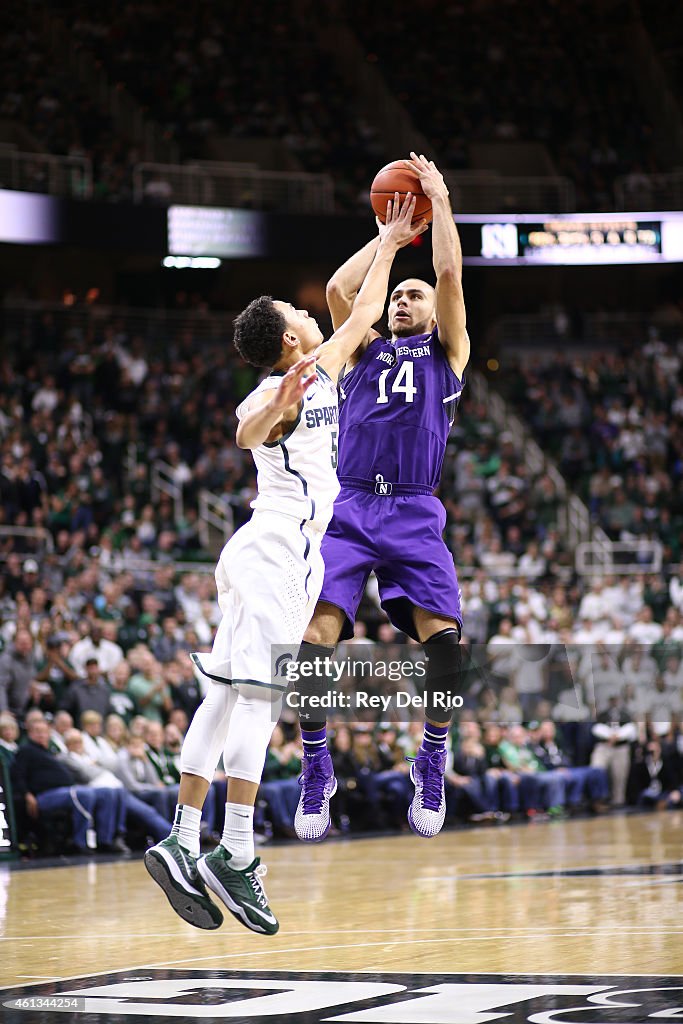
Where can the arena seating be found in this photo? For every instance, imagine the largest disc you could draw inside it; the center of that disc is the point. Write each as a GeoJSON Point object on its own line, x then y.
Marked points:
{"type": "Point", "coordinates": [88, 406]}
{"type": "Point", "coordinates": [664, 22]}
{"type": "Point", "coordinates": [614, 423]}
{"type": "Point", "coordinates": [50, 110]}
{"type": "Point", "coordinates": [549, 74]}
{"type": "Point", "coordinates": [527, 71]}
{"type": "Point", "coordinates": [245, 76]}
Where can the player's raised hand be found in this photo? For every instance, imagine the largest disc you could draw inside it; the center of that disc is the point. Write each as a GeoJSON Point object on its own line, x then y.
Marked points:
{"type": "Point", "coordinates": [294, 384]}
{"type": "Point", "coordinates": [399, 228]}
{"type": "Point", "coordinates": [430, 176]}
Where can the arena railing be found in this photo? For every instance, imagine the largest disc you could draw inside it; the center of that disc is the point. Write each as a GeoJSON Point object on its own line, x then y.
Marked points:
{"type": "Point", "coordinates": [131, 120]}
{"type": "Point", "coordinates": [159, 327]}
{"type": "Point", "coordinates": [215, 513]}
{"type": "Point", "coordinates": [574, 519]}
{"type": "Point", "coordinates": [44, 172]}
{"type": "Point", "coordinates": [519, 334]}
{"type": "Point", "coordinates": [162, 481]}
{"type": "Point", "coordinates": [619, 557]}
{"type": "Point", "coordinates": [211, 183]}
{"type": "Point", "coordinates": [41, 536]}
{"type": "Point", "coordinates": [484, 191]}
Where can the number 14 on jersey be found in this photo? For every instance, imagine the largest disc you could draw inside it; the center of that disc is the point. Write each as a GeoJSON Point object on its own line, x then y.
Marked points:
{"type": "Point", "coordinates": [402, 385]}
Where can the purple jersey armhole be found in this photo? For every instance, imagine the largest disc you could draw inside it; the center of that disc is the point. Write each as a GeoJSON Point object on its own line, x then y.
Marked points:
{"type": "Point", "coordinates": [363, 359]}
{"type": "Point", "coordinates": [442, 350]}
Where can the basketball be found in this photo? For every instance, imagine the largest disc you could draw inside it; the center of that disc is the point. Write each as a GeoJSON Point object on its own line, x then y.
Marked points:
{"type": "Point", "coordinates": [400, 177]}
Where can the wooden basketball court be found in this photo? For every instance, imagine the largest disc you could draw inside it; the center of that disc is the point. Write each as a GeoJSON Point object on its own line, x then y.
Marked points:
{"type": "Point", "coordinates": [568, 906]}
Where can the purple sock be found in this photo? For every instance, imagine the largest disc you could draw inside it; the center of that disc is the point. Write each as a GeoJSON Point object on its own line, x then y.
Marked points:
{"type": "Point", "coordinates": [435, 737]}
{"type": "Point", "coordinates": [314, 740]}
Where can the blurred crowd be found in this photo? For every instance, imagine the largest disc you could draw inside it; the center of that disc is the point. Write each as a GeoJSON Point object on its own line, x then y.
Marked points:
{"type": "Point", "coordinates": [89, 405]}
{"type": "Point", "coordinates": [614, 424]}
{"type": "Point", "coordinates": [521, 70]}
{"type": "Point", "coordinates": [552, 73]}
{"type": "Point", "coordinates": [248, 76]}
{"type": "Point", "coordinates": [664, 22]}
{"type": "Point", "coordinates": [57, 114]}
{"type": "Point", "coordinates": [96, 623]}
{"type": "Point", "coordinates": [572, 701]}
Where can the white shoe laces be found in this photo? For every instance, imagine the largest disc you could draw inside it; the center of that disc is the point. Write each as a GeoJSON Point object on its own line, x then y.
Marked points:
{"type": "Point", "coordinates": [255, 879]}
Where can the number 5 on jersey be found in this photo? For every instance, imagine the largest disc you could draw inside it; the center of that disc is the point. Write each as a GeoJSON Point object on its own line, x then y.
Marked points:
{"type": "Point", "coordinates": [403, 385]}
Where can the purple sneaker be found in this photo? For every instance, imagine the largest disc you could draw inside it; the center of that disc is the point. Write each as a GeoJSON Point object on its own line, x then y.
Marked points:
{"type": "Point", "coordinates": [427, 811]}
{"type": "Point", "coordinates": [318, 786]}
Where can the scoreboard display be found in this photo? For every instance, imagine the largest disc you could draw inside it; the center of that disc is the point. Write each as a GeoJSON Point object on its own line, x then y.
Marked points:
{"type": "Point", "coordinates": [571, 239]}
{"type": "Point", "coordinates": [531, 239]}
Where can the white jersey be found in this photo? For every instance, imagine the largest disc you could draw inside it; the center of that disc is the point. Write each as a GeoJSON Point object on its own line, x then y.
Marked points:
{"type": "Point", "coordinates": [297, 475]}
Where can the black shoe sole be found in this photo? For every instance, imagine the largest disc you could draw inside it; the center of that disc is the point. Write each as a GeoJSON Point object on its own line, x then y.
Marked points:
{"type": "Point", "coordinates": [185, 906]}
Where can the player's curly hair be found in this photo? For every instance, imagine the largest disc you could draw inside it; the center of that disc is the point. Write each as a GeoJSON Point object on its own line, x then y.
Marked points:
{"type": "Point", "coordinates": [258, 332]}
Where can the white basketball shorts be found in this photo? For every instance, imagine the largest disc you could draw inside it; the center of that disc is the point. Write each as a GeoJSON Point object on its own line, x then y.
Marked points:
{"type": "Point", "coordinates": [269, 577]}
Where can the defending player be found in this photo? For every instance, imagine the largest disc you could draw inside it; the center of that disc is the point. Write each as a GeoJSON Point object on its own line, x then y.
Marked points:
{"type": "Point", "coordinates": [268, 577]}
{"type": "Point", "coordinates": [398, 400]}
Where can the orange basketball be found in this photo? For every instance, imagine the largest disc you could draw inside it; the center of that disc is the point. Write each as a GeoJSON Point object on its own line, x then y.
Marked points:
{"type": "Point", "coordinates": [400, 177]}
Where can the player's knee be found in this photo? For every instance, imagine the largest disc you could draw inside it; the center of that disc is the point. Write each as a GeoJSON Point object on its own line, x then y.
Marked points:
{"type": "Point", "coordinates": [192, 763]}
{"type": "Point", "coordinates": [326, 625]}
{"type": "Point", "coordinates": [443, 678]}
{"type": "Point", "coordinates": [258, 708]}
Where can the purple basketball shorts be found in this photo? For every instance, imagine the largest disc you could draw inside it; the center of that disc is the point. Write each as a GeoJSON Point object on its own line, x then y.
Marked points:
{"type": "Point", "coordinates": [401, 539]}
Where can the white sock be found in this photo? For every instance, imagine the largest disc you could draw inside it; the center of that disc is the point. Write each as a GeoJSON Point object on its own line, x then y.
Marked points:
{"type": "Point", "coordinates": [238, 834]}
{"type": "Point", "coordinates": [186, 827]}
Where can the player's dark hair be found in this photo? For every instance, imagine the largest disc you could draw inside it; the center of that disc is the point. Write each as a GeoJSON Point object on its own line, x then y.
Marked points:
{"type": "Point", "coordinates": [258, 332]}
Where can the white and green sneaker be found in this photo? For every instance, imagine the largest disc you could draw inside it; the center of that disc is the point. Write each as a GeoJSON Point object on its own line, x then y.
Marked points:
{"type": "Point", "coordinates": [241, 890]}
{"type": "Point", "coordinates": [174, 869]}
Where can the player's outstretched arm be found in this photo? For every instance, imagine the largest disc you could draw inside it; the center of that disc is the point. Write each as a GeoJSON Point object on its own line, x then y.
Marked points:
{"type": "Point", "coordinates": [447, 258]}
{"type": "Point", "coordinates": [274, 410]}
{"type": "Point", "coordinates": [345, 283]}
{"type": "Point", "coordinates": [369, 303]}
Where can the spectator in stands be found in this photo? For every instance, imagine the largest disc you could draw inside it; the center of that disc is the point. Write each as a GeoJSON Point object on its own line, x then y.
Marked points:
{"type": "Point", "coordinates": [644, 630]}
{"type": "Point", "coordinates": [90, 772]}
{"type": "Point", "coordinates": [173, 741]}
{"type": "Point", "coordinates": [121, 701]}
{"type": "Point", "coordinates": [148, 687]}
{"type": "Point", "coordinates": [280, 786]}
{"type": "Point", "coordinates": [349, 799]}
{"type": "Point", "coordinates": [89, 694]}
{"type": "Point", "coordinates": [662, 707]}
{"type": "Point", "coordinates": [42, 785]}
{"type": "Point", "coordinates": [672, 674]}
{"type": "Point", "coordinates": [139, 776]}
{"type": "Point", "coordinates": [86, 769]}
{"type": "Point", "coordinates": [614, 732]}
{"type": "Point", "coordinates": [167, 646]}
{"type": "Point", "coordinates": [93, 645]}
{"type": "Point", "coordinates": [509, 707]}
{"type": "Point", "coordinates": [470, 776]}
{"type": "Point", "coordinates": [508, 781]}
{"type": "Point", "coordinates": [581, 783]}
{"type": "Point", "coordinates": [94, 743]}
{"type": "Point", "coordinates": [61, 723]}
{"type": "Point", "coordinates": [17, 672]}
{"type": "Point", "coordinates": [656, 772]}
{"type": "Point", "coordinates": [539, 790]}
{"type": "Point", "coordinates": [55, 669]}
{"type": "Point", "coordinates": [163, 761]}
{"type": "Point", "coordinates": [9, 734]}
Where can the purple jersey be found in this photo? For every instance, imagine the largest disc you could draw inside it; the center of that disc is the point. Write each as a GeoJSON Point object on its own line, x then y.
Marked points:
{"type": "Point", "coordinates": [395, 412]}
